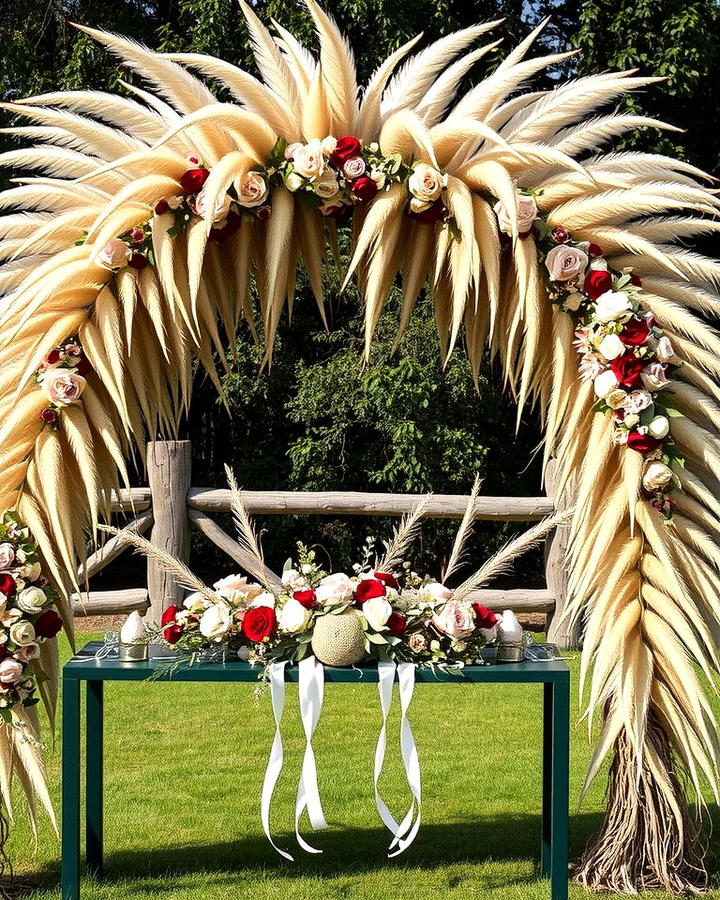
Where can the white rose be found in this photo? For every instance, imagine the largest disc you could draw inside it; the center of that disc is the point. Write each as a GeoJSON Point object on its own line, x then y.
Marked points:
{"type": "Point", "coordinates": [380, 178]}
{"type": "Point", "coordinates": [418, 206]}
{"type": "Point", "coordinates": [334, 588]}
{"type": "Point", "coordinates": [328, 145]}
{"type": "Point", "coordinates": [659, 427]}
{"type": "Point", "coordinates": [656, 476]}
{"type": "Point", "coordinates": [63, 386]}
{"type": "Point", "coordinates": [309, 160]}
{"type": "Point", "coordinates": [293, 182]}
{"type": "Point", "coordinates": [264, 599]}
{"type": "Point", "coordinates": [566, 263]}
{"type": "Point", "coordinates": [327, 186]}
{"type": "Point", "coordinates": [631, 419]}
{"type": "Point", "coordinates": [526, 209]}
{"type": "Point", "coordinates": [598, 265]}
{"type": "Point", "coordinates": [32, 600]}
{"type": "Point", "coordinates": [434, 592]}
{"type": "Point", "coordinates": [11, 671]}
{"type": "Point", "coordinates": [195, 602]}
{"type": "Point", "coordinates": [292, 149]}
{"type": "Point", "coordinates": [354, 167]}
{"type": "Point", "coordinates": [114, 255]}
{"type": "Point", "coordinates": [605, 383]}
{"type": "Point", "coordinates": [377, 611]}
{"type": "Point", "coordinates": [215, 622]}
{"type": "Point", "coordinates": [653, 377]}
{"type": "Point", "coordinates": [616, 398]}
{"type": "Point", "coordinates": [611, 346]}
{"type": "Point", "coordinates": [293, 580]}
{"type": "Point", "coordinates": [637, 401]}
{"type": "Point", "coordinates": [31, 572]}
{"type": "Point", "coordinates": [253, 190]}
{"type": "Point", "coordinates": [222, 207]}
{"type": "Point", "coordinates": [22, 633]}
{"type": "Point", "coordinates": [664, 350]}
{"type": "Point", "coordinates": [7, 556]}
{"type": "Point", "coordinates": [294, 617]}
{"type": "Point", "coordinates": [455, 619]}
{"type": "Point", "coordinates": [612, 305]}
{"type": "Point", "coordinates": [425, 183]}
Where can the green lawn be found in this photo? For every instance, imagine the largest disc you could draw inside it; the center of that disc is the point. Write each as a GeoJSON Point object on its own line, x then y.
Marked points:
{"type": "Point", "coordinates": [185, 764]}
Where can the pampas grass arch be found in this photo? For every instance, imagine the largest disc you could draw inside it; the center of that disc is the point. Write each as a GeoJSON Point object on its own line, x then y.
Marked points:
{"type": "Point", "coordinates": [648, 593]}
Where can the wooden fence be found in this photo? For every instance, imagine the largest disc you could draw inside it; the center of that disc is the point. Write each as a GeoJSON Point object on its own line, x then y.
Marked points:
{"type": "Point", "coordinates": [170, 506]}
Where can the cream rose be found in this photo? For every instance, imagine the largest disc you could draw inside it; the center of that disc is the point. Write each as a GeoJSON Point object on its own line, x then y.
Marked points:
{"type": "Point", "coordinates": [309, 160]}
{"type": "Point", "coordinates": [7, 556]}
{"type": "Point", "coordinates": [114, 255]}
{"type": "Point", "coordinates": [253, 190]}
{"type": "Point", "coordinates": [526, 211]}
{"type": "Point", "coordinates": [380, 178]}
{"type": "Point", "coordinates": [292, 149]}
{"type": "Point", "coordinates": [418, 206]}
{"type": "Point", "coordinates": [455, 619]}
{"type": "Point", "coordinates": [377, 611]}
{"type": "Point", "coordinates": [656, 476]}
{"type": "Point", "coordinates": [664, 350]}
{"type": "Point", "coordinates": [31, 572]}
{"type": "Point", "coordinates": [28, 652]}
{"type": "Point", "coordinates": [426, 183]}
{"type": "Point", "coordinates": [328, 145]}
{"type": "Point", "coordinates": [611, 346]}
{"type": "Point", "coordinates": [566, 263]}
{"type": "Point", "coordinates": [215, 622]}
{"type": "Point", "coordinates": [659, 427]}
{"type": "Point", "coordinates": [616, 398]}
{"type": "Point", "coordinates": [11, 671]}
{"type": "Point", "coordinates": [195, 602]}
{"type": "Point", "coordinates": [334, 588]}
{"type": "Point", "coordinates": [653, 377]}
{"type": "Point", "coordinates": [294, 617]}
{"type": "Point", "coordinates": [354, 167]}
{"type": "Point", "coordinates": [293, 182]}
{"type": "Point", "coordinates": [222, 207]}
{"type": "Point", "coordinates": [327, 187]}
{"type": "Point", "coordinates": [32, 600]}
{"type": "Point", "coordinates": [612, 305]}
{"type": "Point", "coordinates": [22, 633]}
{"type": "Point", "coordinates": [63, 386]}
{"type": "Point", "coordinates": [605, 383]}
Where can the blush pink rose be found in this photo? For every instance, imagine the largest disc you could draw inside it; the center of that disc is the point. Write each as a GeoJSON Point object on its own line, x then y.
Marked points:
{"type": "Point", "coordinates": [114, 255]}
{"type": "Point", "coordinates": [11, 671]}
{"type": "Point", "coordinates": [354, 167]}
{"type": "Point", "coordinates": [456, 619]}
{"type": "Point", "coordinates": [566, 263]}
{"type": "Point", "coordinates": [526, 212]}
{"type": "Point", "coordinates": [63, 386]}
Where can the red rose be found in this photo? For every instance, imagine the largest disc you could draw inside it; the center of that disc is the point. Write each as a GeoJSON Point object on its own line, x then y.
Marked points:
{"type": "Point", "coordinates": [193, 180]}
{"type": "Point", "coordinates": [627, 369]}
{"type": "Point", "coordinates": [259, 623]}
{"type": "Point", "coordinates": [171, 630]}
{"type": "Point", "coordinates": [595, 250]}
{"type": "Point", "coordinates": [138, 261]}
{"type": "Point", "coordinates": [83, 367]}
{"type": "Point", "coordinates": [306, 598]}
{"type": "Point", "coordinates": [596, 283]}
{"type": "Point", "coordinates": [49, 416]}
{"type": "Point", "coordinates": [53, 357]}
{"type": "Point", "coordinates": [7, 585]}
{"type": "Point", "coordinates": [161, 207]}
{"type": "Point", "coordinates": [48, 625]}
{"type": "Point", "coordinates": [634, 279]}
{"type": "Point", "coordinates": [364, 189]}
{"type": "Point", "coordinates": [397, 624]}
{"type": "Point", "coordinates": [432, 214]}
{"type": "Point", "coordinates": [635, 333]}
{"type": "Point", "coordinates": [345, 149]}
{"type": "Point", "coordinates": [643, 443]}
{"type": "Point", "coordinates": [367, 588]}
{"type": "Point", "coordinates": [388, 579]}
{"type": "Point", "coordinates": [484, 617]}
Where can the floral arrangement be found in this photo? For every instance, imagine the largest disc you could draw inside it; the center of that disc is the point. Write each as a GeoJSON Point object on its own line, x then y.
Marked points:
{"type": "Point", "coordinates": [62, 375]}
{"type": "Point", "coordinates": [27, 615]}
{"type": "Point", "coordinates": [621, 347]}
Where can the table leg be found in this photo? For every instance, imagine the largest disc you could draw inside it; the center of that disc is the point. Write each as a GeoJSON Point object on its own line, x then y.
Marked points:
{"type": "Point", "coordinates": [94, 778]}
{"type": "Point", "coordinates": [70, 875]}
{"type": "Point", "coordinates": [560, 790]}
{"type": "Point", "coordinates": [546, 779]}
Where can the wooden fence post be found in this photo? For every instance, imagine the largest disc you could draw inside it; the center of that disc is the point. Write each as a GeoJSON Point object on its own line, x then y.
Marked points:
{"type": "Point", "coordinates": [169, 471]}
{"type": "Point", "coordinates": [559, 630]}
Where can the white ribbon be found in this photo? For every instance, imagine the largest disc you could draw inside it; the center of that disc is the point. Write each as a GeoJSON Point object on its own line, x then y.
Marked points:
{"type": "Point", "coordinates": [275, 763]}
{"type": "Point", "coordinates": [311, 688]}
{"type": "Point", "coordinates": [405, 832]}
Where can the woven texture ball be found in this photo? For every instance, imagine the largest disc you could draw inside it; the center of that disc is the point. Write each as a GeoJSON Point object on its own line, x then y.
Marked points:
{"type": "Point", "coordinates": [338, 640]}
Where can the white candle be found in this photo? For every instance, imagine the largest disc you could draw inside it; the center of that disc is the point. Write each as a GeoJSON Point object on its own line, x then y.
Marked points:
{"type": "Point", "coordinates": [509, 629]}
{"type": "Point", "coordinates": [134, 629]}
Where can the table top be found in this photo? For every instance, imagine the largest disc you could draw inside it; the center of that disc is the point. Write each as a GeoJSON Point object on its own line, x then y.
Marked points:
{"type": "Point", "coordinates": [161, 666]}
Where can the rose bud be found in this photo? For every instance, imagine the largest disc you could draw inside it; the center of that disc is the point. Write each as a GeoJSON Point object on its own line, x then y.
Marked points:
{"type": "Point", "coordinates": [83, 367]}
{"type": "Point", "coordinates": [431, 215]}
{"type": "Point", "coordinates": [161, 207]}
{"type": "Point", "coordinates": [137, 235]}
{"type": "Point", "coordinates": [193, 180]}
{"type": "Point", "coordinates": [595, 250]}
{"type": "Point", "coordinates": [262, 212]}
{"type": "Point", "coordinates": [559, 235]}
{"type": "Point", "coordinates": [364, 189]}
{"type": "Point", "coordinates": [49, 416]}
{"type": "Point", "coordinates": [53, 357]}
{"type": "Point", "coordinates": [138, 261]}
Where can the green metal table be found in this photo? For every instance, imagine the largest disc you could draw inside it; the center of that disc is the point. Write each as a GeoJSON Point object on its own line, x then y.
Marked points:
{"type": "Point", "coordinates": [553, 675]}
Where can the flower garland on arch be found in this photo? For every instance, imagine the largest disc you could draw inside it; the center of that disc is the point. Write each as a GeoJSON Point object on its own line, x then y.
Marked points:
{"type": "Point", "coordinates": [621, 347]}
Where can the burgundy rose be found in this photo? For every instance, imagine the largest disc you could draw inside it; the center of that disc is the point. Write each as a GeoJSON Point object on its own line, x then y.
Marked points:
{"type": "Point", "coordinates": [345, 149]}
{"type": "Point", "coordinates": [367, 588]}
{"type": "Point", "coordinates": [49, 416]}
{"type": "Point", "coordinates": [232, 223]}
{"type": "Point", "coordinates": [643, 443]}
{"type": "Point", "coordinates": [7, 584]}
{"type": "Point", "coordinates": [161, 207]}
{"type": "Point", "coordinates": [431, 215]}
{"type": "Point", "coordinates": [634, 279]}
{"type": "Point", "coordinates": [259, 623]}
{"type": "Point", "coordinates": [627, 369]}
{"type": "Point", "coordinates": [137, 235]}
{"type": "Point", "coordinates": [364, 189]}
{"type": "Point", "coordinates": [595, 250]}
{"type": "Point", "coordinates": [53, 357]}
{"type": "Point", "coordinates": [262, 213]}
{"type": "Point", "coordinates": [596, 283]}
{"type": "Point", "coordinates": [396, 624]}
{"type": "Point", "coordinates": [388, 579]}
{"type": "Point", "coordinates": [306, 598]}
{"type": "Point", "coordinates": [635, 333]}
{"type": "Point", "coordinates": [48, 624]}
{"type": "Point", "coordinates": [171, 630]}
{"type": "Point", "coordinates": [83, 367]}
{"type": "Point", "coordinates": [138, 261]}
{"type": "Point", "coordinates": [559, 235]}
{"type": "Point", "coordinates": [484, 617]}
{"type": "Point", "coordinates": [193, 180]}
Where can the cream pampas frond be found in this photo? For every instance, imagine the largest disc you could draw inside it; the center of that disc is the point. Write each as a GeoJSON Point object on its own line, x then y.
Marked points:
{"type": "Point", "coordinates": [105, 167]}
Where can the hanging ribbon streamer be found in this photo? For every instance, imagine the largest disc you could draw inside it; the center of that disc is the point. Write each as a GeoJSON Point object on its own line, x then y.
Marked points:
{"type": "Point", "coordinates": [405, 832]}
{"type": "Point", "coordinates": [275, 763]}
{"type": "Point", "coordinates": [311, 688]}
